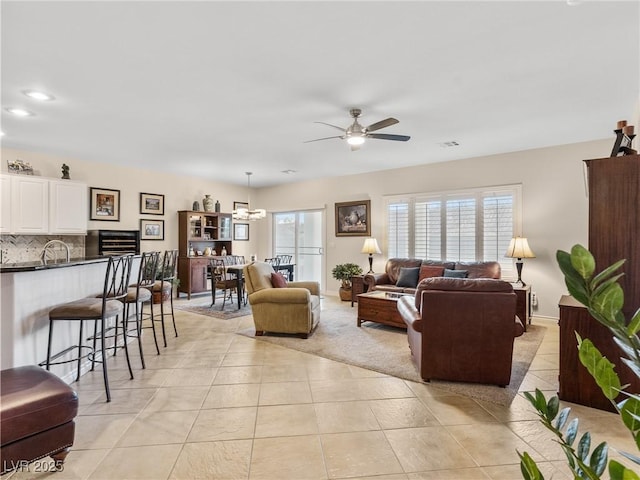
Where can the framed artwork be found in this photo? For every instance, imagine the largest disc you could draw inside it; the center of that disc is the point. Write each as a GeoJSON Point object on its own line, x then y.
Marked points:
{"type": "Point", "coordinates": [237, 205]}
{"type": "Point", "coordinates": [104, 204]}
{"type": "Point", "coordinates": [151, 229]}
{"type": "Point", "coordinates": [353, 219]}
{"type": "Point", "coordinates": [241, 231]}
{"type": "Point", "coordinates": [151, 204]}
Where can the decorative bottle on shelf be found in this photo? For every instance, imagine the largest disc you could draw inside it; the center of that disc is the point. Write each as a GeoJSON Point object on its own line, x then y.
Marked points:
{"type": "Point", "coordinates": [207, 203]}
{"type": "Point", "coordinates": [217, 206]}
{"type": "Point", "coordinates": [224, 251]}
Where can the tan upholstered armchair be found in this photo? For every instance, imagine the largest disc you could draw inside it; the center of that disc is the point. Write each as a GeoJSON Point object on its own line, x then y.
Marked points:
{"type": "Point", "coordinates": [294, 309]}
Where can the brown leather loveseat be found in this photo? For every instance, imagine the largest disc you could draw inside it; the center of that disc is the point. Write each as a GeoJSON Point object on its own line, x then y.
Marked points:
{"type": "Point", "coordinates": [394, 279]}
{"type": "Point", "coordinates": [462, 330]}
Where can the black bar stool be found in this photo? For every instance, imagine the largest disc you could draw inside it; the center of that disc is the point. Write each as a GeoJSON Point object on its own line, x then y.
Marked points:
{"type": "Point", "coordinates": [108, 305]}
{"type": "Point", "coordinates": [164, 287]}
{"type": "Point", "coordinates": [140, 294]}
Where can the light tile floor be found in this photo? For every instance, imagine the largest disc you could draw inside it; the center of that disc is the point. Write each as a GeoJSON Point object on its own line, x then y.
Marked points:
{"type": "Point", "coordinates": [216, 405]}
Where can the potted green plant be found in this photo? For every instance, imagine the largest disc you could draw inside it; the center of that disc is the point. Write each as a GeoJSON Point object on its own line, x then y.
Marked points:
{"type": "Point", "coordinates": [344, 272]}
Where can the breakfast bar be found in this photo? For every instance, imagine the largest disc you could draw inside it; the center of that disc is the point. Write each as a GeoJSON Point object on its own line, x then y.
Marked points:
{"type": "Point", "coordinates": [29, 291]}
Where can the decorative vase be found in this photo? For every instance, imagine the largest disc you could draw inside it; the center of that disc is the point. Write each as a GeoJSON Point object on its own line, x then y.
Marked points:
{"type": "Point", "coordinates": [207, 203]}
{"type": "Point", "coordinates": [196, 206]}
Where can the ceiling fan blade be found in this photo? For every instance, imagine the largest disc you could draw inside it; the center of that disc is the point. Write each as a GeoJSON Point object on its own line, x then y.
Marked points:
{"type": "Point", "coordinates": [334, 126]}
{"type": "Point", "coordinates": [386, 136]}
{"type": "Point", "coordinates": [325, 138]}
{"type": "Point", "coordinates": [387, 122]}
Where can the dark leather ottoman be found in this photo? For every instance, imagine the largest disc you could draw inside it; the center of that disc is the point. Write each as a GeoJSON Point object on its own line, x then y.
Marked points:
{"type": "Point", "coordinates": [37, 412]}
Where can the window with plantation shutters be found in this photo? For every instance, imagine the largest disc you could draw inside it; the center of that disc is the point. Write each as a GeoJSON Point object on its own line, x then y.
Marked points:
{"type": "Point", "coordinates": [465, 226]}
{"type": "Point", "coordinates": [398, 228]}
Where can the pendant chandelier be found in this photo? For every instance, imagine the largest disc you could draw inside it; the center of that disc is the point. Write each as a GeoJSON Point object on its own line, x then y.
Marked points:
{"type": "Point", "coordinates": [245, 213]}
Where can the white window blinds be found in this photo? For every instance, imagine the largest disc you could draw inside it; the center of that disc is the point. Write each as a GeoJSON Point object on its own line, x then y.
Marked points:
{"type": "Point", "coordinates": [467, 226]}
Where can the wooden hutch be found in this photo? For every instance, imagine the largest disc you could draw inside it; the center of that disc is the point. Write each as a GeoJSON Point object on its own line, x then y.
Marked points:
{"type": "Point", "coordinates": [614, 229]}
{"type": "Point", "coordinates": [198, 231]}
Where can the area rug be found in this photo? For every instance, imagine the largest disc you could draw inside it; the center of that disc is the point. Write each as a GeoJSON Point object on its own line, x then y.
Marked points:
{"type": "Point", "coordinates": [385, 349]}
{"type": "Point", "coordinates": [203, 307]}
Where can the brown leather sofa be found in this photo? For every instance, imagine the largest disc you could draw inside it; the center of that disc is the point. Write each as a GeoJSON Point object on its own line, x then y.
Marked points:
{"type": "Point", "coordinates": [462, 329]}
{"type": "Point", "coordinates": [387, 281]}
{"type": "Point", "coordinates": [37, 412]}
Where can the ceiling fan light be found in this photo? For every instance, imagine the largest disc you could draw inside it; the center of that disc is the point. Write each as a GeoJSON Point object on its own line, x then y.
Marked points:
{"type": "Point", "coordinates": [355, 140]}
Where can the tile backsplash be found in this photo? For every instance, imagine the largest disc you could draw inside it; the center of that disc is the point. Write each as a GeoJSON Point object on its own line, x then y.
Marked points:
{"type": "Point", "coordinates": [27, 248]}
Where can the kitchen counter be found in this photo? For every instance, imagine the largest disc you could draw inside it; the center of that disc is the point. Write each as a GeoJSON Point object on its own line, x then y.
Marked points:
{"type": "Point", "coordinates": [29, 291]}
{"type": "Point", "coordinates": [40, 265]}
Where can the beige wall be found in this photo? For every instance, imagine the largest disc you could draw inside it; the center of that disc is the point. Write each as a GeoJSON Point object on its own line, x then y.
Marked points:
{"type": "Point", "coordinates": [180, 192]}
{"type": "Point", "coordinates": [555, 205]}
{"type": "Point", "coordinates": [552, 179]}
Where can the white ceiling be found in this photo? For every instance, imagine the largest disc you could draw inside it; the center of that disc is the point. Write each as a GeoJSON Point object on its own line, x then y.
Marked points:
{"type": "Point", "coordinates": [214, 89]}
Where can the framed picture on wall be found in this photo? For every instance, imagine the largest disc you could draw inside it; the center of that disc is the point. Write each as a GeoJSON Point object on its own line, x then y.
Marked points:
{"type": "Point", "coordinates": [241, 231]}
{"type": "Point", "coordinates": [104, 204]}
{"type": "Point", "coordinates": [353, 219]}
{"type": "Point", "coordinates": [151, 204]}
{"type": "Point", "coordinates": [151, 229]}
{"type": "Point", "coordinates": [237, 205]}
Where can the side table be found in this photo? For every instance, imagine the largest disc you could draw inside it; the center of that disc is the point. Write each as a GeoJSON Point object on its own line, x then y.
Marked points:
{"type": "Point", "coordinates": [357, 287]}
{"type": "Point", "coordinates": [523, 303]}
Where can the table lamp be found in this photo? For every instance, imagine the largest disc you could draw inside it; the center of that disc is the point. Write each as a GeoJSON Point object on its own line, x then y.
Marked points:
{"type": "Point", "coordinates": [519, 248]}
{"type": "Point", "coordinates": [371, 246]}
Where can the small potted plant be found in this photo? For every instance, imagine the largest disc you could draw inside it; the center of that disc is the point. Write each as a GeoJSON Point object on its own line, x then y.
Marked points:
{"type": "Point", "coordinates": [344, 272]}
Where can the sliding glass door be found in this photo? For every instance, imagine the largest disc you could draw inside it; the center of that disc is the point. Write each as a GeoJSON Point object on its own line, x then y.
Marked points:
{"type": "Point", "coordinates": [301, 234]}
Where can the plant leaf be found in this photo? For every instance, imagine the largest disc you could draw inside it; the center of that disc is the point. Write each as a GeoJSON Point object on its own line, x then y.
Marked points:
{"type": "Point", "coordinates": [582, 261]}
{"type": "Point", "coordinates": [630, 413]}
{"type": "Point", "coordinates": [599, 368]}
{"type": "Point", "coordinates": [597, 290]}
{"type": "Point", "coordinates": [598, 461]}
{"type": "Point", "coordinates": [583, 446]}
{"type": "Point", "coordinates": [572, 431]}
{"type": "Point", "coordinates": [617, 471]}
{"type": "Point", "coordinates": [607, 272]}
{"type": "Point", "coordinates": [572, 279]}
{"type": "Point", "coordinates": [562, 418]}
{"type": "Point", "coordinates": [609, 301]}
{"type": "Point", "coordinates": [634, 324]}
{"type": "Point", "coordinates": [552, 407]}
{"type": "Point", "coordinates": [529, 468]}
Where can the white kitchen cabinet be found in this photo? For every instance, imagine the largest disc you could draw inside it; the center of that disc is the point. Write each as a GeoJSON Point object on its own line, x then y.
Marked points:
{"type": "Point", "coordinates": [29, 205]}
{"type": "Point", "coordinates": [38, 206]}
{"type": "Point", "coordinates": [68, 209]}
{"type": "Point", "coordinates": [5, 204]}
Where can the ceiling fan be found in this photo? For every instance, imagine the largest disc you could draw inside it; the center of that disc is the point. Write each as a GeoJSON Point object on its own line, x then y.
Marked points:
{"type": "Point", "coordinates": [355, 134]}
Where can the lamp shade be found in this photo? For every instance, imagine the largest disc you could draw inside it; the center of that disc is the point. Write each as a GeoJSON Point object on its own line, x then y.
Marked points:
{"type": "Point", "coordinates": [371, 246]}
{"type": "Point", "coordinates": [519, 248]}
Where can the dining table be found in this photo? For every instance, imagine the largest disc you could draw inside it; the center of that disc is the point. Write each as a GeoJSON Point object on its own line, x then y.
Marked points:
{"type": "Point", "coordinates": [238, 271]}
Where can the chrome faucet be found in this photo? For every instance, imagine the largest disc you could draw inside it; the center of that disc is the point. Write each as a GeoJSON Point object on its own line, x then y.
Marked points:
{"type": "Point", "coordinates": [46, 249]}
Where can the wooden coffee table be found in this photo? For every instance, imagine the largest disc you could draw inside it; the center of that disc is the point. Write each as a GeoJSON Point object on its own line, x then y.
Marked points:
{"type": "Point", "coordinates": [381, 307]}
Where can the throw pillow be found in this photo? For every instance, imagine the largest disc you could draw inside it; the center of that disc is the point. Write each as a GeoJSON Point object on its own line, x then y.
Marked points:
{"type": "Point", "coordinates": [408, 277]}
{"type": "Point", "coordinates": [428, 271]}
{"type": "Point", "coordinates": [455, 273]}
{"type": "Point", "coordinates": [278, 280]}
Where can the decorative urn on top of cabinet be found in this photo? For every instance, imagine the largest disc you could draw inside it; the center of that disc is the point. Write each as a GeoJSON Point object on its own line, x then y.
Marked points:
{"type": "Point", "coordinates": [207, 203]}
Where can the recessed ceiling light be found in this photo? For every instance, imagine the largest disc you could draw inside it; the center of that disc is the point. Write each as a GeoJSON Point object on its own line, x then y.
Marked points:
{"type": "Point", "coordinates": [289, 171]}
{"type": "Point", "coordinates": [19, 112]}
{"type": "Point", "coordinates": [37, 95]}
